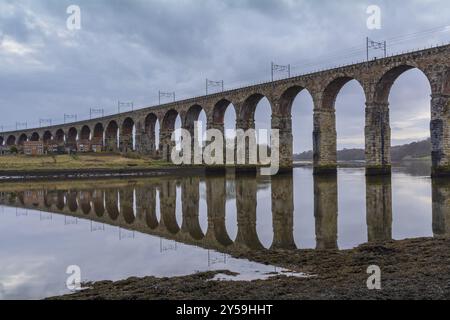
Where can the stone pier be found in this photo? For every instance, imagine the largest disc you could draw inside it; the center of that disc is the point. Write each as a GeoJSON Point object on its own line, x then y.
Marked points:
{"type": "Point", "coordinates": [378, 139]}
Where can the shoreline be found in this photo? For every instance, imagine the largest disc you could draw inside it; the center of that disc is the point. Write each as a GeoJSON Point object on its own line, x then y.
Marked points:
{"type": "Point", "coordinates": [86, 166]}
{"type": "Point", "coordinates": [97, 173]}
{"type": "Point", "coordinates": [410, 269]}
{"type": "Point", "coordinates": [132, 171]}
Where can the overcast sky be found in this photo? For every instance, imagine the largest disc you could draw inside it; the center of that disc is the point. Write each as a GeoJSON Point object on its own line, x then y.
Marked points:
{"type": "Point", "coordinates": [128, 50]}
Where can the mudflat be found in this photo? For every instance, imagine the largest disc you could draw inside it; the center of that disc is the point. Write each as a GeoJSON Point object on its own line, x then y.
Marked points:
{"type": "Point", "coordinates": [410, 269]}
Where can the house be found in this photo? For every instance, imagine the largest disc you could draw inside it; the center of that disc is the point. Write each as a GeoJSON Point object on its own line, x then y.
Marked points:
{"type": "Point", "coordinates": [33, 148]}
{"type": "Point", "coordinates": [97, 147]}
{"type": "Point", "coordinates": [4, 150]}
{"type": "Point", "coordinates": [84, 146]}
{"type": "Point", "coordinates": [55, 148]}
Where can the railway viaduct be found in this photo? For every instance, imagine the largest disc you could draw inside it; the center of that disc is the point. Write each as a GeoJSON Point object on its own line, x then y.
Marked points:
{"type": "Point", "coordinates": [115, 133]}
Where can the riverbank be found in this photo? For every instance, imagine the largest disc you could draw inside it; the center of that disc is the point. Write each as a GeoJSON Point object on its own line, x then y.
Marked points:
{"type": "Point", "coordinates": [82, 166]}
{"type": "Point", "coordinates": [76, 162]}
{"type": "Point", "coordinates": [112, 165]}
{"type": "Point", "coordinates": [15, 168]}
{"type": "Point", "coordinates": [410, 269]}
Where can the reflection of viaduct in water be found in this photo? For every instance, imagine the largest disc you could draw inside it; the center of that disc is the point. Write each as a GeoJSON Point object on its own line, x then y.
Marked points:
{"type": "Point", "coordinates": [133, 206]}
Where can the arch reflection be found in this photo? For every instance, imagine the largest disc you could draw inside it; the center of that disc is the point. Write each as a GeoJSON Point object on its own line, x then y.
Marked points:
{"type": "Point", "coordinates": [379, 208]}
{"type": "Point", "coordinates": [133, 206]}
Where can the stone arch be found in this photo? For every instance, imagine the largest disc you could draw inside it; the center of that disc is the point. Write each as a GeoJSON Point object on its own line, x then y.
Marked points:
{"type": "Point", "coordinates": [167, 128]}
{"type": "Point", "coordinates": [347, 97]}
{"type": "Point", "coordinates": [285, 114]}
{"type": "Point", "coordinates": [386, 81]}
{"type": "Point", "coordinates": [150, 122]}
{"type": "Point", "coordinates": [168, 123]}
{"type": "Point", "coordinates": [47, 137]}
{"type": "Point", "coordinates": [287, 99]}
{"type": "Point", "coordinates": [248, 108]}
{"type": "Point", "coordinates": [22, 138]}
{"type": "Point", "coordinates": [149, 140]}
{"type": "Point", "coordinates": [192, 115]}
{"type": "Point", "coordinates": [34, 136]}
{"type": "Point", "coordinates": [85, 133]}
{"type": "Point", "coordinates": [220, 121]}
{"type": "Point", "coordinates": [127, 126]}
{"type": "Point", "coordinates": [378, 129]}
{"type": "Point", "coordinates": [324, 134]}
{"type": "Point", "coordinates": [11, 140]}
{"type": "Point", "coordinates": [111, 134]}
{"type": "Point", "coordinates": [59, 136]}
{"type": "Point", "coordinates": [126, 135]}
{"type": "Point", "coordinates": [72, 135]}
{"type": "Point", "coordinates": [219, 111]}
{"type": "Point", "coordinates": [97, 135]}
{"type": "Point", "coordinates": [246, 119]}
{"type": "Point", "coordinates": [332, 90]}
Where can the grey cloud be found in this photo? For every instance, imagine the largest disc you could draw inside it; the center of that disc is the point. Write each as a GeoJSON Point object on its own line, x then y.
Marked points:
{"type": "Point", "coordinates": [129, 50]}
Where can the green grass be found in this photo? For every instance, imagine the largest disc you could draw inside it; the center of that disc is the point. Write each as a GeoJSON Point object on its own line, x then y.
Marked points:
{"type": "Point", "coordinates": [77, 162]}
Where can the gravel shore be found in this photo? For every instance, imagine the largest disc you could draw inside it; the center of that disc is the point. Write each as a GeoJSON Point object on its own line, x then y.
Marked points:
{"type": "Point", "coordinates": [410, 269]}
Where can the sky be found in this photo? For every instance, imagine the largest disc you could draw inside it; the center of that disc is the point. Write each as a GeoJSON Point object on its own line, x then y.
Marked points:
{"type": "Point", "coordinates": [129, 50]}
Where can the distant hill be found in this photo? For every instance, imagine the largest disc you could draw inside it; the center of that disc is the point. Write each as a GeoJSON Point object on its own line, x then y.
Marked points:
{"type": "Point", "coordinates": [419, 149]}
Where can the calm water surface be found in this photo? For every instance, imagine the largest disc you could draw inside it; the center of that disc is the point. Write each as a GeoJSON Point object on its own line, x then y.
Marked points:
{"type": "Point", "coordinates": [170, 226]}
